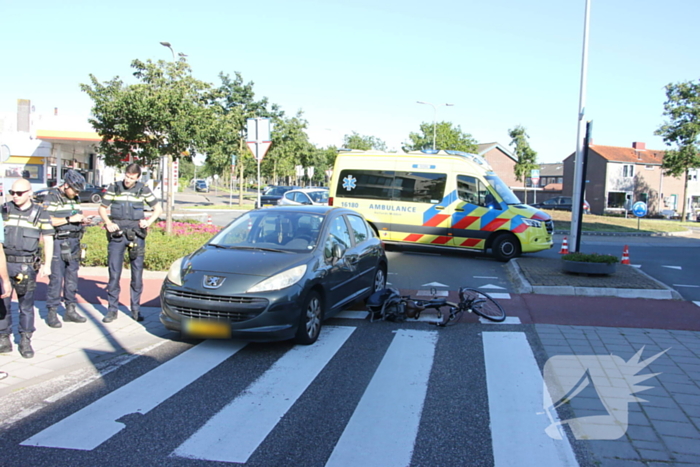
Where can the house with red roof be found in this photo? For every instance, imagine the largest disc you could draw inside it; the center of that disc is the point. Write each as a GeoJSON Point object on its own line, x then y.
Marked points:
{"type": "Point", "coordinates": [617, 177]}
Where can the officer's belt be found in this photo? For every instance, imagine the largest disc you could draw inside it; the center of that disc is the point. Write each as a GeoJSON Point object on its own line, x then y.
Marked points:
{"type": "Point", "coordinates": [19, 259]}
{"type": "Point", "coordinates": [63, 234]}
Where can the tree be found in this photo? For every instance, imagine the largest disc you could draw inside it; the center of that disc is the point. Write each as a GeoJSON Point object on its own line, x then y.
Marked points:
{"type": "Point", "coordinates": [233, 104]}
{"type": "Point", "coordinates": [525, 155]}
{"type": "Point", "coordinates": [364, 143]}
{"type": "Point", "coordinates": [682, 129]}
{"type": "Point", "coordinates": [290, 147]}
{"type": "Point", "coordinates": [165, 114]}
{"type": "Point", "coordinates": [447, 137]}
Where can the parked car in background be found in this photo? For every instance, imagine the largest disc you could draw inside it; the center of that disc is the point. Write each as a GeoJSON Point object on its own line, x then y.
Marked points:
{"type": "Point", "coordinates": [274, 274]}
{"type": "Point", "coordinates": [561, 203]}
{"type": "Point", "coordinates": [272, 195]}
{"type": "Point", "coordinates": [305, 196]}
{"type": "Point", "coordinates": [91, 194]}
{"type": "Point", "coordinates": [201, 186]}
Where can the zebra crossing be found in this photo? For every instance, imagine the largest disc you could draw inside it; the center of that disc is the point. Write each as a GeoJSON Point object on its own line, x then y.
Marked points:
{"type": "Point", "coordinates": [403, 392]}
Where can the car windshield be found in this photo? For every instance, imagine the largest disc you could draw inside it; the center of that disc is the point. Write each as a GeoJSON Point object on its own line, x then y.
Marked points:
{"type": "Point", "coordinates": [275, 191]}
{"type": "Point", "coordinates": [319, 196]}
{"type": "Point", "coordinates": [271, 230]}
{"type": "Point", "coordinates": [502, 189]}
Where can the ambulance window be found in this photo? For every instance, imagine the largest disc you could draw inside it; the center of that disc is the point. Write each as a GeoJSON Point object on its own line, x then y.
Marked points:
{"type": "Point", "coordinates": [418, 187]}
{"type": "Point", "coordinates": [368, 184]}
{"type": "Point", "coordinates": [471, 190]}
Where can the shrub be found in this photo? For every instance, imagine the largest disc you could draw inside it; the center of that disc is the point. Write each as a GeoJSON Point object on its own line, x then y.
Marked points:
{"type": "Point", "coordinates": [591, 258]}
{"type": "Point", "coordinates": [161, 249]}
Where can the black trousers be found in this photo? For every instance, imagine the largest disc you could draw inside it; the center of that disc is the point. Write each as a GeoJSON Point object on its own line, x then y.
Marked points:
{"type": "Point", "coordinates": [26, 300]}
{"type": "Point", "coordinates": [115, 261]}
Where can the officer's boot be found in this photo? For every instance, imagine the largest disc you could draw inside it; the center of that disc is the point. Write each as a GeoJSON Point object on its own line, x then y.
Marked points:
{"type": "Point", "coordinates": [136, 314]}
{"type": "Point", "coordinates": [72, 315]}
{"type": "Point", "coordinates": [25, 345]}
{"type": "Point", "coordinates": [52, 318]}
{"type": "Point", "coordinates": [109, 317]}
{"type": "Point", "coordinates": [5, 343]}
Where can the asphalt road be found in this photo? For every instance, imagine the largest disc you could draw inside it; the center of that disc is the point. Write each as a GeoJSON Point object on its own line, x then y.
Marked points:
{"type": "Point", "coordinates": [344, 401]}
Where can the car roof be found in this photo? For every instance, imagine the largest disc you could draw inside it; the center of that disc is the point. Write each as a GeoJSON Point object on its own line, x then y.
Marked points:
{"type": "Point", "coordinates": [309, 190]}
{"type": "Point", "coordinates": [322, 210]}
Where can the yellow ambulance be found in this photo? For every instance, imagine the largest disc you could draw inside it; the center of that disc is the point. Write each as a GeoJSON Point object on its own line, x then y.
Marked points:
{"type": "Point", "coordinates": [446, 199]}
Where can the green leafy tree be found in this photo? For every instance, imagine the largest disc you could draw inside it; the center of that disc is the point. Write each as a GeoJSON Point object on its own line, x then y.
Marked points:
{"type": "Point", "coordinates": [364, 143]}
{"type": "Point", "coordinates": [165, 114]}
{"type": "Point", "coordinates": [682, 130]}
{"type": "Point", "coordinates": [233, 104]}
{"type": "Point", "coordinates": [525, 155]}
{"type": "Point", "coordinates": [290, 147]}
{"type": "Point", "coordinates": [447, 137]}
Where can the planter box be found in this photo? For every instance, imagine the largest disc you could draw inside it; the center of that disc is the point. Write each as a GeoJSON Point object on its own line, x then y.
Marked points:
{"type": "Point", "coordinates": [580, 267]}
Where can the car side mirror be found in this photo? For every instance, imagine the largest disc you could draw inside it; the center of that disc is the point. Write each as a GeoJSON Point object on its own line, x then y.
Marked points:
{"type": "Point", "coordinates": [338, 252]}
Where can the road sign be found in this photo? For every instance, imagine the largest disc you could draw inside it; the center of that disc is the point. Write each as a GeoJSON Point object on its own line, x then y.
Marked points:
{"type": "Point", "coordinates": [299, 170]}
{"type": "Point", "coordinates": [639, 209]}
{"type": "Point", "coordinates": [259, 139]}
{"type": "Point", "coordinates": [535, 177]}
{"type": "Point", "coordinates": [310, 172]}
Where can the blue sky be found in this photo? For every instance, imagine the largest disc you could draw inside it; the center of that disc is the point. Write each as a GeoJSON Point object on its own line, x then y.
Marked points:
{"type": "Point", "coordinates": [361, 65]}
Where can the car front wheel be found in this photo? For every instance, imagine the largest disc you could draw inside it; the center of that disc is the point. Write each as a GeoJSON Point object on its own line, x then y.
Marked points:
{"type": "Point", "coordinates": [310, 321]}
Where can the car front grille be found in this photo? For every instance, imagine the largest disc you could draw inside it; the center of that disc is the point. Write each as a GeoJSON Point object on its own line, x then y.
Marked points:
{"type": "Point", "coordinates": [202, 306]}
{"type": "Point", "coordinates": [550, 226]}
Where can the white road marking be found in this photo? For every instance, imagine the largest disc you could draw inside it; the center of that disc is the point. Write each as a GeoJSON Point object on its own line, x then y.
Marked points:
{"type": "Point", "coordinates": [638, 266]}
{"type": "Point", "coordinates": [96, 423]}
{"type": "Point", "coordinates": [427, 293]}
{"type": "Point", "coordinates": [434, 284]}
{"type": "Point", "coordinates": [491, 286]}
{"type": "Point", "coordinates": [673, 267]}
{"type": "Point", "coordinates": [114, 364]}
{"type": "Point", "coordinates": [697, 303]}
{"type": "Point", "coordinates": [234, 433]}
{"type": "Point", "coordinates": [685, 285]}
{"type": "Point", "coordinates": [516, 398]}
{"type": "Point", "coordinates": [382, 430]}
{"type": "Point", "coordinates": [499, 295]}
{"type": "Point", "coordinates": [352, 314]}
{"type": "Point", "coordinates": [508, 320]}
{"type": "Point", "coordinates": [485, 277]}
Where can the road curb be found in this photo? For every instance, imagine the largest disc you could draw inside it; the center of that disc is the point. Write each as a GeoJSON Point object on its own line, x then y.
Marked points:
{"type": "Point", "coordinates": [522, 286]}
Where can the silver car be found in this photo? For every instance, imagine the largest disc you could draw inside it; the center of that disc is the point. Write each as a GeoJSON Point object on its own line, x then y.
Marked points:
{"type": "Point", "coordinates": [305, 196]}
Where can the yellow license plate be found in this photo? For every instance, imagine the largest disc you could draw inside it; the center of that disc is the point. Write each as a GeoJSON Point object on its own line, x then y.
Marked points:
{"type": "Point", "coordinates": [207, 329]}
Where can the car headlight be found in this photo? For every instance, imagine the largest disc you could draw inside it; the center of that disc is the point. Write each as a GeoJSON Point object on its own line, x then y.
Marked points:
{"type": "Point", "coordinates": [281, 280]}
{"type": "Point", "coordinates": [174, 274]}
{"type": "Point", "coordinates": [533, 223]}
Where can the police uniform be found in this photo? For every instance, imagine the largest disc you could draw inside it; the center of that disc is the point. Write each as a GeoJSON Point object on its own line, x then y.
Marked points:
{"type": "Point", "coordinates": [66, 255]}
{"type": "Point", "coordinates": [22, 232]}
{"type": "Point", "coordinates": [126, 210]}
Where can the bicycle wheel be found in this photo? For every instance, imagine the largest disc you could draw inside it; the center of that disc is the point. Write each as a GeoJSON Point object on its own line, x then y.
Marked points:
{"type": "Point", "coordinates": [482, 304]}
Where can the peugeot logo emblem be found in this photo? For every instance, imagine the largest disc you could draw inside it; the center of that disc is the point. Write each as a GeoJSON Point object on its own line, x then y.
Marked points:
{"type": "Point", "coordinates": [213, 282]}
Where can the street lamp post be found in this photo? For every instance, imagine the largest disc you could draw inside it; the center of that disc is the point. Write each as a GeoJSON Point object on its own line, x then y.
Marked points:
{"type": "Point", "coordinates": [434, 118]}
{"type": "Point", "coordinates": [167, 44]}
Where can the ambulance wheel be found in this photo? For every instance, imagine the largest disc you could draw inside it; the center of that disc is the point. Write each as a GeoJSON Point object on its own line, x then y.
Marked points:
{"type": "Point", "coordinates": [505, 247]}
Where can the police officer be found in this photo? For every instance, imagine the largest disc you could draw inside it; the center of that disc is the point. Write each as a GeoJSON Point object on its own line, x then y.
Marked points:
{"type": "Point", "coordinates": [126, 229]}
{"type": "Point", "coordinates": [63, 205]}
{"type": "Point", "coordinates": [5, 291]}
{"type": "Point", "coordinates": [25, 224]}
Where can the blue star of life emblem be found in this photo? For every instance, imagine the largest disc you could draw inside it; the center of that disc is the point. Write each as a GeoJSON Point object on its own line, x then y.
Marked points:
{"type": "Point", "coordinates": [349, 182]}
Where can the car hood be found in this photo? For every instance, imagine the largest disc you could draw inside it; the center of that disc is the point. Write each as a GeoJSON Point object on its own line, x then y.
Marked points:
{"type": "Point", "coordinates": [532, 212]}
{"type": "Point", "coordinates": [241, 269]}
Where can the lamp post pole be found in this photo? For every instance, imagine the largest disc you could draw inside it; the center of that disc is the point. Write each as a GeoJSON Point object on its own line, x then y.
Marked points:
{"type": "Point", "coordinates": [169, 196]}
{"type": "Point", "coordinates": [434, 118]}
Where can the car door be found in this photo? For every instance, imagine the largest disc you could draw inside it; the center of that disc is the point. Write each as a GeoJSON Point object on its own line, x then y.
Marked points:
{"type": "Point", "coordinates": [364, 251]}
{"type": "Point", "coordinates": [340, 281]}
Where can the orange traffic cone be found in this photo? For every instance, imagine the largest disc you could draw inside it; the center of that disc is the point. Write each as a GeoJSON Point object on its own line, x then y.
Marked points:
{"type": "Point", "coordinates": [208, 219]}
{"type": "Point", "coordinates": [625, 255]}
{"type": "Point", "coordinates": [564, 247]}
